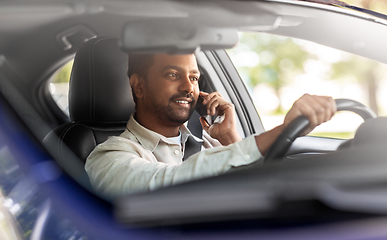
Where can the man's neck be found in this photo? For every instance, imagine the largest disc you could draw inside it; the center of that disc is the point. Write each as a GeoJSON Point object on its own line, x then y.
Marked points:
{"type": "Point", "coordinates": [154, 125]}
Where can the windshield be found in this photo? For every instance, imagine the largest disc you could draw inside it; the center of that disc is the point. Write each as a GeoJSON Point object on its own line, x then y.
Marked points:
{"type": "Point", "coordinates": [376, 8]}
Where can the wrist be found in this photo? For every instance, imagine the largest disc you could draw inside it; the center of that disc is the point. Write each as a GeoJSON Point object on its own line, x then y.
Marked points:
{"type": "Point", "coordinates": [229, 138]}
{"type": "Point", "coordinates": [266, 139]}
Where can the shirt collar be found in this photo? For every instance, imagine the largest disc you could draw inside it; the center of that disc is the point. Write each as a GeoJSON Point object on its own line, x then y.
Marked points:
{"type": "Point", "coordinates": [150, 139]}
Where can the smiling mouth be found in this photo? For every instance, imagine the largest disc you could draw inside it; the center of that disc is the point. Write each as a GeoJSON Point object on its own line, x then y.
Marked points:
{"type": "Point", "coordinates": [182, 102]}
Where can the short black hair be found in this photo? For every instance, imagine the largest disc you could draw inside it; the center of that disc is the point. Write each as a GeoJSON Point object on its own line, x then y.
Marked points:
{"type": "Point", "coordinates": [139, 63]}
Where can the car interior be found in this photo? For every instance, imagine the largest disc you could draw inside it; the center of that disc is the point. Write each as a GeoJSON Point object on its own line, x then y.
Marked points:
{"type": "Point", "coordinates": [98, 36]}
{"type": "Point", "coordinates": [100, 102]}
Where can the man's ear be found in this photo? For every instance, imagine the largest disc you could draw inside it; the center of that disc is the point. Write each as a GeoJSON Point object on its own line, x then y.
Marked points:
{"type": "Point", "coordinates": [136, 82]}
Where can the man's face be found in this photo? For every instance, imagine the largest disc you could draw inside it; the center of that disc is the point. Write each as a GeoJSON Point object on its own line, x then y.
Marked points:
{"type": "Point", "coordinates": [171, 88]}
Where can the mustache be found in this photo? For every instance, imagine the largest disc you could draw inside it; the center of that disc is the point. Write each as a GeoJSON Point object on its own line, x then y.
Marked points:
{"type": "Point", "coordinates": [182, 95]}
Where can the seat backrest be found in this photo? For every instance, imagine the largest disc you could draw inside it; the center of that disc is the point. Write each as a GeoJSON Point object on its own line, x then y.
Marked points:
{"type": "Point", "coordinates": [100, 98]}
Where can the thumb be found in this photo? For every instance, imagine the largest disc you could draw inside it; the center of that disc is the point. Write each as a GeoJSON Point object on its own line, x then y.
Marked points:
{"type": "Point", "coordinates": [204, 124]}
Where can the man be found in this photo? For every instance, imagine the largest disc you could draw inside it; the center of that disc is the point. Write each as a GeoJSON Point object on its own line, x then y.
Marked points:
{"type": "Point", "coordinates": [148, 155]}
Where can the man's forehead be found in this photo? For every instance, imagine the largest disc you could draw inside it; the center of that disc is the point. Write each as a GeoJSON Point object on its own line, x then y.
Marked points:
{"type": "Point", "coordinates": [175, 61]}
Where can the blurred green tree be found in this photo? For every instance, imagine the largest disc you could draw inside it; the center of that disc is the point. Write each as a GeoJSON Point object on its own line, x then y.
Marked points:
{"type": "Point", "coordinates": [278, 59]}
{"type": "Point", "coordinates": [281, 59]}
{"type": "Point", "coordinates": [63, 75]}
{"type": "Point", "coordinates": [374, 5]}
{"type": "Point", "coordinates": [365, 70]}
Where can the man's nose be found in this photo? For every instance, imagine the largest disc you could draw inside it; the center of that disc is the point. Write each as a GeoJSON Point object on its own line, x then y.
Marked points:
{"type": "Point", "coordinates": [186, 85]}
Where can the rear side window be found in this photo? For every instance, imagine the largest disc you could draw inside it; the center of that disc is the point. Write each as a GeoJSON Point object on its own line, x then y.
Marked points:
{"type": "Point", "coordinates": [59, 86]}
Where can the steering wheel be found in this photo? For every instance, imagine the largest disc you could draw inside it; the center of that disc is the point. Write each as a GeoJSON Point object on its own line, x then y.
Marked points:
{"type": "Point", "coordinates": [282, 144]}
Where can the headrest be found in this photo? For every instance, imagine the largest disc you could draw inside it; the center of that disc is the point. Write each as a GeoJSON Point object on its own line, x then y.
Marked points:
{"type": "Point", "coordinates": [99, 85]}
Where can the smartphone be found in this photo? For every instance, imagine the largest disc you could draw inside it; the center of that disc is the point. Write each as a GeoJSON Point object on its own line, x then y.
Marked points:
{"type": "Point", "coordinates": [202, 110]}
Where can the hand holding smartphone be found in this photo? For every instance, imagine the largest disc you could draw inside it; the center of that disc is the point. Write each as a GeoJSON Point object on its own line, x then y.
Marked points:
{"type": "Point", "coordinates": [202, 110]}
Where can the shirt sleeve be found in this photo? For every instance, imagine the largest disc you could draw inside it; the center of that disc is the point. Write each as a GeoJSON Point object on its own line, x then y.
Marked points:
{"type": "Point", "coordinates": [115, 169]}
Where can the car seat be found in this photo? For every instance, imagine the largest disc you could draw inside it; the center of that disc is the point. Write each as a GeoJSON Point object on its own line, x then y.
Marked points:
{"type": "Point", "coordinates": [100, 99]}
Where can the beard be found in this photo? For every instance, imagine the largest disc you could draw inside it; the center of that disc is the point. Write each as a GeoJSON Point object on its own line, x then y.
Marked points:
{"type": "Point", "coordinates": [170, 114]}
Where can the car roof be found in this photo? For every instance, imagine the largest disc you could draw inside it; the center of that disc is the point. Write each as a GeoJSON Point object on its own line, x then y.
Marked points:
{"type": "Point", "coordinates": [32, 21]}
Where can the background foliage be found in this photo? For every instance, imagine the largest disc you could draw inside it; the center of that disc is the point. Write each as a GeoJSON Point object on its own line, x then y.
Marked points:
{"type": "Point", "coordinates": [280, 60]}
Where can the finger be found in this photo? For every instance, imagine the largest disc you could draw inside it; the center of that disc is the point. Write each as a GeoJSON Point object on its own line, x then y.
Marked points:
{"type": "Point", "coordinates": [325, 108]}
{"type": "Point", "coordinates": [213, 107]}
{"type": "Point", "coordinates": [203, 94]}
{"type": "Point", "coordinates": [318, 109]}
{"type": "Point", "coordinates": [218, 106]}
{"type": "Point", "coordinates": [213, 101]}
{"type": "Point", "coordinates": [307, 111]}
{"type": "Point", "coordinates": [204, 124]}
{"type": "Point", "coordinates": [330, 106]}
{"type": "Point", "coordinates": [310, 112]}
{"type": "Point", "coordinates": [310, 108]}
{"type": "Point", "coordinates": [209, 96]}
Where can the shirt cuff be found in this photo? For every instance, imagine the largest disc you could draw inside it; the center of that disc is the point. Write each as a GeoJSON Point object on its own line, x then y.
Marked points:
{"type": "Point", "coordinates": [249, 150]}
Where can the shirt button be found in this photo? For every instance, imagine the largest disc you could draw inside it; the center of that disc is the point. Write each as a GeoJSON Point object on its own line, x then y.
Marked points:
{"type": "Point", "coordinates": [176, 152]}
{"type": "Point", "coordinates": [247, 156]}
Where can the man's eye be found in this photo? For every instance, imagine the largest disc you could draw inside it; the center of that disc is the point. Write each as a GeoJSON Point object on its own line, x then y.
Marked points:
{"type": "Point", "coordinates": [173, 75]}
{"type": "Point", "coordinates": [195, 79]}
